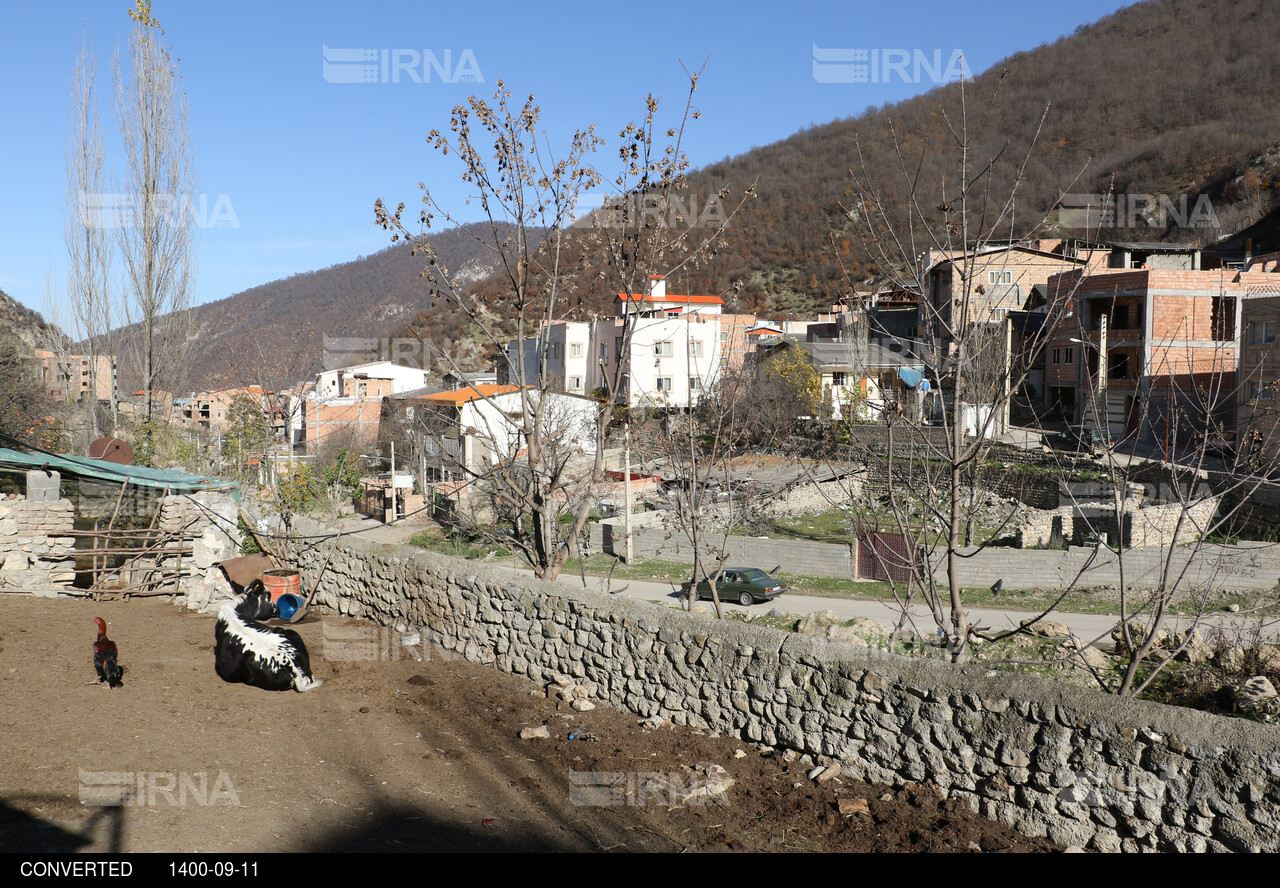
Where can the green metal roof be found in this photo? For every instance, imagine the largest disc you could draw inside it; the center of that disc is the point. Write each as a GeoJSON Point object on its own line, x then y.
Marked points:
{"type": "Point", "coordinates": [101, 470]}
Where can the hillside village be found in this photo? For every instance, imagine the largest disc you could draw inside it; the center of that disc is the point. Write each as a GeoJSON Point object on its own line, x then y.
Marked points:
{"type": "Point", "coordinates": [1169, 319]}
{"type": "Point", "coordinates": [900, 469]}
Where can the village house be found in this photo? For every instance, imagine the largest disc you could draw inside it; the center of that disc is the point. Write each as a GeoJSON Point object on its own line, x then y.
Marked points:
{"type": "Point", "coordinates": [343, 405]}
{"type": "Point", "coordinates": [451, 438]}
{"type": "Point", "coordinates": [70, 378]}
{"type": "Point", "coordinates": [210, 410]}
{"type": "Point", "coordinates": [1258, 393]}
{"type": "Point", "coordinates": [860, 377]}
{"type": "Point", "coordinates": [1004, 278]}
{"type": "Point", "coordinates": [133, 405]}
{"type": "Point", "coordinates": [1152, 353]}
{"type": "Point", "coordinates": [674, 354]}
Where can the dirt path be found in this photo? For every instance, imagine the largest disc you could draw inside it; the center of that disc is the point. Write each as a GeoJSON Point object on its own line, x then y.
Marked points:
{"type": "Point", "coordinates": [390, 754]}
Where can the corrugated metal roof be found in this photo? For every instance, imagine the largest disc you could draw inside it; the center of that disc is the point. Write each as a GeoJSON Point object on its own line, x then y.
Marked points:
{"type": "Point", "coordinates": [83, 467]}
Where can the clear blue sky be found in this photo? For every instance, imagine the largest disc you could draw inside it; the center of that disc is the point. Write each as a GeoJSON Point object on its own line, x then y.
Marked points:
{"type": "Point", "coordinates": [299, 158]}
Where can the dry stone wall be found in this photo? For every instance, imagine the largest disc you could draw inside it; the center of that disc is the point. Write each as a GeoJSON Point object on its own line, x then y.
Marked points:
{"type": "Point", "coordinates": [1047, 758]}
{"type": "Point", "coordinates": [207, 519]}
{"type": "Point", "coordinates": [37, 552]}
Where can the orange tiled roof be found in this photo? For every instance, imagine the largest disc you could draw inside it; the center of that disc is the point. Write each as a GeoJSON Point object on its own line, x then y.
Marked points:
{"type": "Point", "coordinates": [692, 300]}
{"type": "Point", "coordinates": [461, 396]}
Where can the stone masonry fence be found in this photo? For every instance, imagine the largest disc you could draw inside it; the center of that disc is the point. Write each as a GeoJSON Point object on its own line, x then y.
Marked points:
{"type": "Point", "coordinates": [1047, 758]}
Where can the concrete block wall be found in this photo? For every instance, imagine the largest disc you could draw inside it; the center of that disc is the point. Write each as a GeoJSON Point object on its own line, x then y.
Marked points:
{"type": "Point", "coordinates": [1044, 757]}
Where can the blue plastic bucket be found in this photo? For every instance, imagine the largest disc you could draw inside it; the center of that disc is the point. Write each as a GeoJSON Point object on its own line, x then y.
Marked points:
{"type": "Point", "coordinates": [290, 605]}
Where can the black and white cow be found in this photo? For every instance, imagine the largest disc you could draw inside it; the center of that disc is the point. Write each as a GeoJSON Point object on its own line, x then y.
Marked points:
{"type": "Point", "coordinates": [262, 656]}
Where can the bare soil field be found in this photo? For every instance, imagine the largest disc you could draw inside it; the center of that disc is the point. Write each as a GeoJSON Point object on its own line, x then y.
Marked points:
{"type": "Point", "coordinates": [392, 753]}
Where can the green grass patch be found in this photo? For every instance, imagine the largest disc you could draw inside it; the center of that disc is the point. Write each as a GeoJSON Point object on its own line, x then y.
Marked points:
{"type": "Point", "coordinates": [457, 545]}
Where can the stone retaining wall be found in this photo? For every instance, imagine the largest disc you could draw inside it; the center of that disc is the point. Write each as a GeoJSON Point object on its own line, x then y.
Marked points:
{"type": "Point", "coordinates": [36, 552]}
{"type": "Point", "coordinates": [1047, 758]}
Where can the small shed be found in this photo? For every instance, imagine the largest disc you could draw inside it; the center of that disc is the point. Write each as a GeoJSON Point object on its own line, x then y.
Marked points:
{"type": "Point", "coordinates": [74, 521]}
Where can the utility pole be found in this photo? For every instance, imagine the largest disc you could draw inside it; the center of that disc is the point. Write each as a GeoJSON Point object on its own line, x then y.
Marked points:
{"type": "Point", "coordinates": [1102, 376]}
{"type": "Point", "coordinates": [1008, 371]}
{"type": "Point", "coordinates": [626, 482]}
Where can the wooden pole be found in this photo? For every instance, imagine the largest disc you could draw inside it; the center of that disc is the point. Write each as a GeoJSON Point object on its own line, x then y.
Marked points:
{"type": "Point", "coordinates": [267, 550]}
{"type": "Point", "coordinates": [315, 587]}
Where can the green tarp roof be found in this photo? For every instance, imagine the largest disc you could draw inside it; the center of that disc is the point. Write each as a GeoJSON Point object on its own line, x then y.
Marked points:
{"type": "Point", "coordinates": [101, 470]}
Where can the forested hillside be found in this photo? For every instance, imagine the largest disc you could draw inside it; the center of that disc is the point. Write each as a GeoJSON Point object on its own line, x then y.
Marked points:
{"type": "Point", "coordinates": [1172, 97]}
{"type": "Point", "coordinates": [273, 335]}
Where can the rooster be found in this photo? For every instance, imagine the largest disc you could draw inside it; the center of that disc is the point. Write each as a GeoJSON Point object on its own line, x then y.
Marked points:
{"type": "Point", "coordinates": [104, 657]}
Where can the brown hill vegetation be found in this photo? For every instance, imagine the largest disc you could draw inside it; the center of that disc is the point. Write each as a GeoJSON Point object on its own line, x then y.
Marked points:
{"type": "Point", "coordinates": [273, 335]}
{"type": "Point", "coordinates": [1172, 97]}
{"type": "Point", "coordinates": [1169, 97]}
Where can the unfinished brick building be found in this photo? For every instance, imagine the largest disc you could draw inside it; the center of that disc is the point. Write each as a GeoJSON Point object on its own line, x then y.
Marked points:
{"type": "Point", "coordinates": [1154, 351]}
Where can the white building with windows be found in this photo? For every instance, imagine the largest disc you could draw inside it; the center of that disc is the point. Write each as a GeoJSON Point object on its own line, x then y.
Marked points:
{"type": "Point", "coordinates": [347, 381]}
{"type": "Point", "coordinates": [673, 356]}
{"type": "Point", "coordinates": [561, 355]}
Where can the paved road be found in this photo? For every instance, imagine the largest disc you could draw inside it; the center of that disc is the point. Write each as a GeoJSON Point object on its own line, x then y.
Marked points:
{"type": "Point", "coordinates": [1089, 627]}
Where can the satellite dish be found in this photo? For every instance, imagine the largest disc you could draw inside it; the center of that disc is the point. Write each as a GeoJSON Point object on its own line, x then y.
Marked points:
{"type": "Point", "coordinates": [111, 450]}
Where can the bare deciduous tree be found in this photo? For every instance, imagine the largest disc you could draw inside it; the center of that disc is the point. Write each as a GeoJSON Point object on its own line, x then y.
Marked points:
{"type": "Point", "coordinates": [157, 237]}
{"type": "Point", "coordinates": [89, 250]}
{"type": "Point", "coordinates": [530, 197]}
{"type": "Point", "coordinates": [922, 482]}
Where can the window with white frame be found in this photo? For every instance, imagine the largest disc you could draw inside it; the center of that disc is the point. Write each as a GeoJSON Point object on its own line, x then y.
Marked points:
{"type": "Point", "coordinates": [839, 377]}
{"type": "Point", "coordinates": [695, 383]}
{"type": "Point", "coordinates": [996, 277]}
{"type": "Point", "coordinates": [663, 349]}
{"type": "Point", "coordinates": [724, 335]}
{"type": "Point", "coordinates": [575, 383]}
{"type": "Point", "coordinates": [663, 384]}
{"type": "Point", "coordinates": [575, 349]}
{"type": "Point", "coordinates": [695, 348]}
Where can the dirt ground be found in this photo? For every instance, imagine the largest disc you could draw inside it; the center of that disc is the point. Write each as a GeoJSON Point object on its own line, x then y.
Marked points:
{"type": "Point", "coordinates": [393, 753]}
